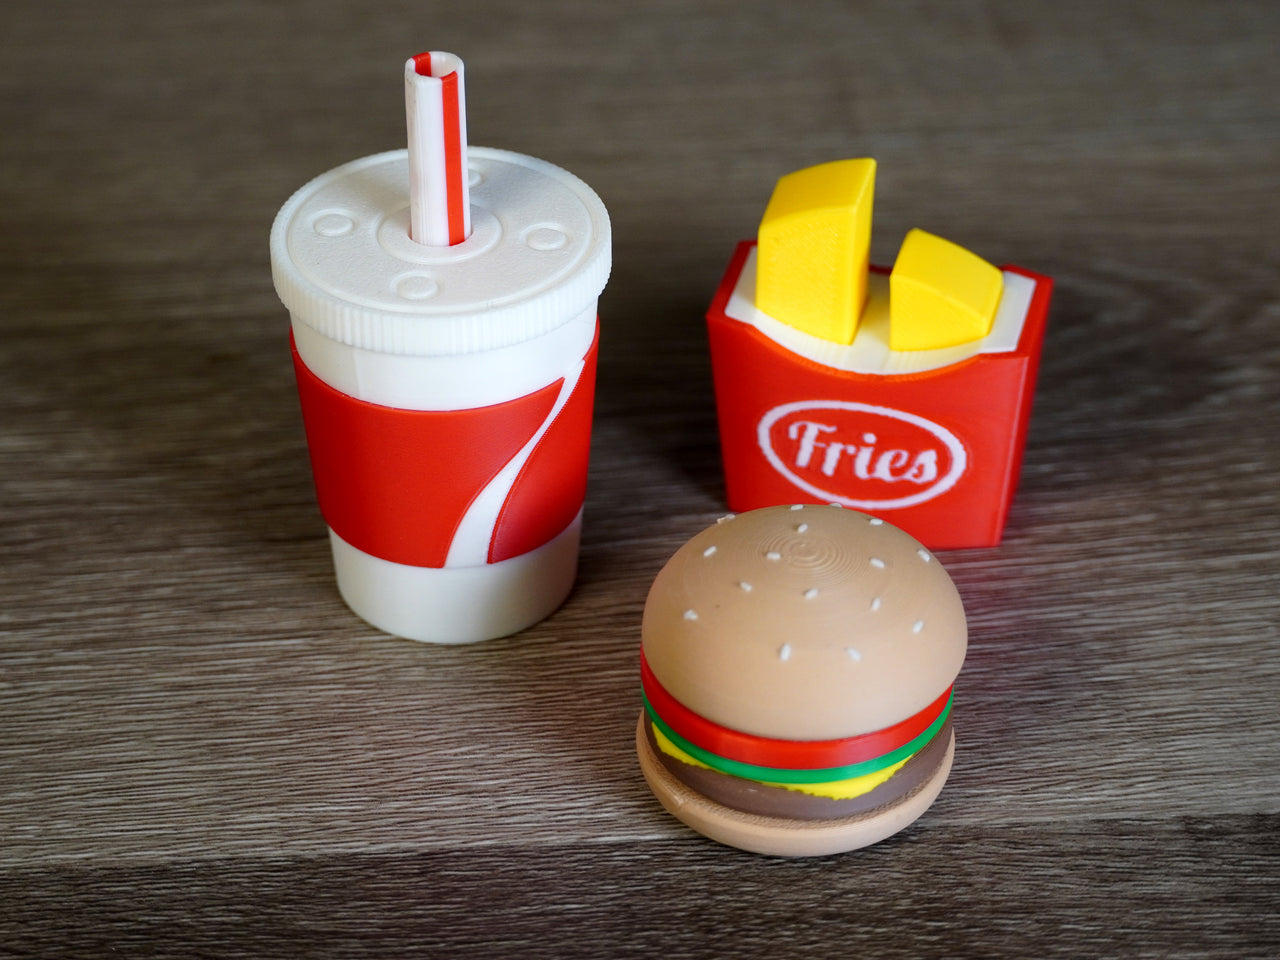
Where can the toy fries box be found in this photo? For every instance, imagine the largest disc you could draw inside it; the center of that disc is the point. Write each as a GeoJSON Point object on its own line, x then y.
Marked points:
{"type": "Point", "coordinates": [929, 440]}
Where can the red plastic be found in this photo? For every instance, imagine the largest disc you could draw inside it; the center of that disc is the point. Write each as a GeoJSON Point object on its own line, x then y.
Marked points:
{"type": "Point", "coordinates": [552, 485]}
{"type": "Point", "coordinates": [936, 453]}
{"type": "Point", "coordinates": [396, 483]}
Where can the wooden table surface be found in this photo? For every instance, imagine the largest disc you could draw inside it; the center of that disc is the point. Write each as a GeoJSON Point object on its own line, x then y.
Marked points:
{"type": "Point", "coordinates": [204, 753]}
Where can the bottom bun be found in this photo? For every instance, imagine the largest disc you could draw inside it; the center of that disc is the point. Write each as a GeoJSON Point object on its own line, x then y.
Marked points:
{"type": "Point", "coordinates": [776, 836]}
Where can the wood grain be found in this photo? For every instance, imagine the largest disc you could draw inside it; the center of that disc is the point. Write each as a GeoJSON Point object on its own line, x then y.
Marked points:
{"type": "Point", "coordinates": [204, 753]}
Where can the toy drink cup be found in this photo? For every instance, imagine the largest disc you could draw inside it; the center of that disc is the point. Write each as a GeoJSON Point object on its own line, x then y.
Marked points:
{"type": "Point", "coordinates": [444, 330]}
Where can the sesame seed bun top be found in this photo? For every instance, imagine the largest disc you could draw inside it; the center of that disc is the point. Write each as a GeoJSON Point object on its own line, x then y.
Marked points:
{"type": "Point", "coordinates": [804, 623]}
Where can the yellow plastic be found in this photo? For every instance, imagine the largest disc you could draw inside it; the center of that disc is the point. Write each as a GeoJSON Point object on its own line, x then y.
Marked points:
{"type": "Point", "coordinates": [813, 245]}
{"type": "Point", "coordinates": [940, 294]}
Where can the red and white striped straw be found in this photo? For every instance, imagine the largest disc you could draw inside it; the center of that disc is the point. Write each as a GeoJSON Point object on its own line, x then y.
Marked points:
{"type": "Point", "coordinates": [435, 108]}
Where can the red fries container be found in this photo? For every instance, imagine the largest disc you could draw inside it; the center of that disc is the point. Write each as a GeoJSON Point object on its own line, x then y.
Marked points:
{"type": "Point", "coordinates": [931, 440]}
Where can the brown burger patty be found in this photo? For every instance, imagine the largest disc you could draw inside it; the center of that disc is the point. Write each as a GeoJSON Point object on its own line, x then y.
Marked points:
{"type": "Point", "coordinates": [764, 800]}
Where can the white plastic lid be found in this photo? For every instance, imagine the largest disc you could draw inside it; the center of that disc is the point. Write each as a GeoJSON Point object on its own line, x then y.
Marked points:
{"type": "Point", "coordinates": [538, 255]}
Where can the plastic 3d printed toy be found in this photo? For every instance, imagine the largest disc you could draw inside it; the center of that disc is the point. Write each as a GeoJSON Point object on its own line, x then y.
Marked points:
{"type": "Point", "coordinates": [443, 304]}
{"type": "Point", "coordinates": [903, 393]}
{"type": "Point", "coordinates": [796, 669]}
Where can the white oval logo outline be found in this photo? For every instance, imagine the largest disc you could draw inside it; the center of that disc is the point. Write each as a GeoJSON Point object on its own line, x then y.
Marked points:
{"type": "Point", "coordinates": [959, 457]}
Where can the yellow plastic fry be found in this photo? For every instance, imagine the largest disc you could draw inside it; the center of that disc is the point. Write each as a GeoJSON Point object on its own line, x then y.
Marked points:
{"type": "Point", "coordinates": [940, 294]}
{"type": "Point", "coordinates": [813, 245]}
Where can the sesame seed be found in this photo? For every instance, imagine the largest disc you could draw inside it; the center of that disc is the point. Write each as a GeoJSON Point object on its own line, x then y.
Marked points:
{"type": "Point", "coordinates": [709, 551]}
{"type": "Point", "coordinates": [691, 614]}
{"type": "Point", "coordinates": [802, 528]}
{"type": "Point", "coordinates": [876, 521]}
{"type": "Point", "coordinates": [854, 655]}
{"type": "Point", "coordinates": [877, 563]}
{"type": "Point", "coordinates": [811, 593]}
{"type": "Point", "coordinates": [726, 518]}
{"type": "Point", "coordinates": [746, 587]}
{"type": "Point", "coordinates": [917, 626]}
{"type": "Point", "coordinates": [773, 555]}
{"type": "Point", "coordinates": [875, 603]}
{"type": "Point", "coordinates": [924, 555]}
{"type": "Point", "coordinates": [785, 653]}
{"type": "Point", "coordinates": [797, 506]}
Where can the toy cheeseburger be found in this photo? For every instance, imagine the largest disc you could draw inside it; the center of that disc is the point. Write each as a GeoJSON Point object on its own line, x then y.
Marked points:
{"type": "Point", "coordinates": [797, 665]}
{"type": "Point", "coordinates": [905, 394]}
